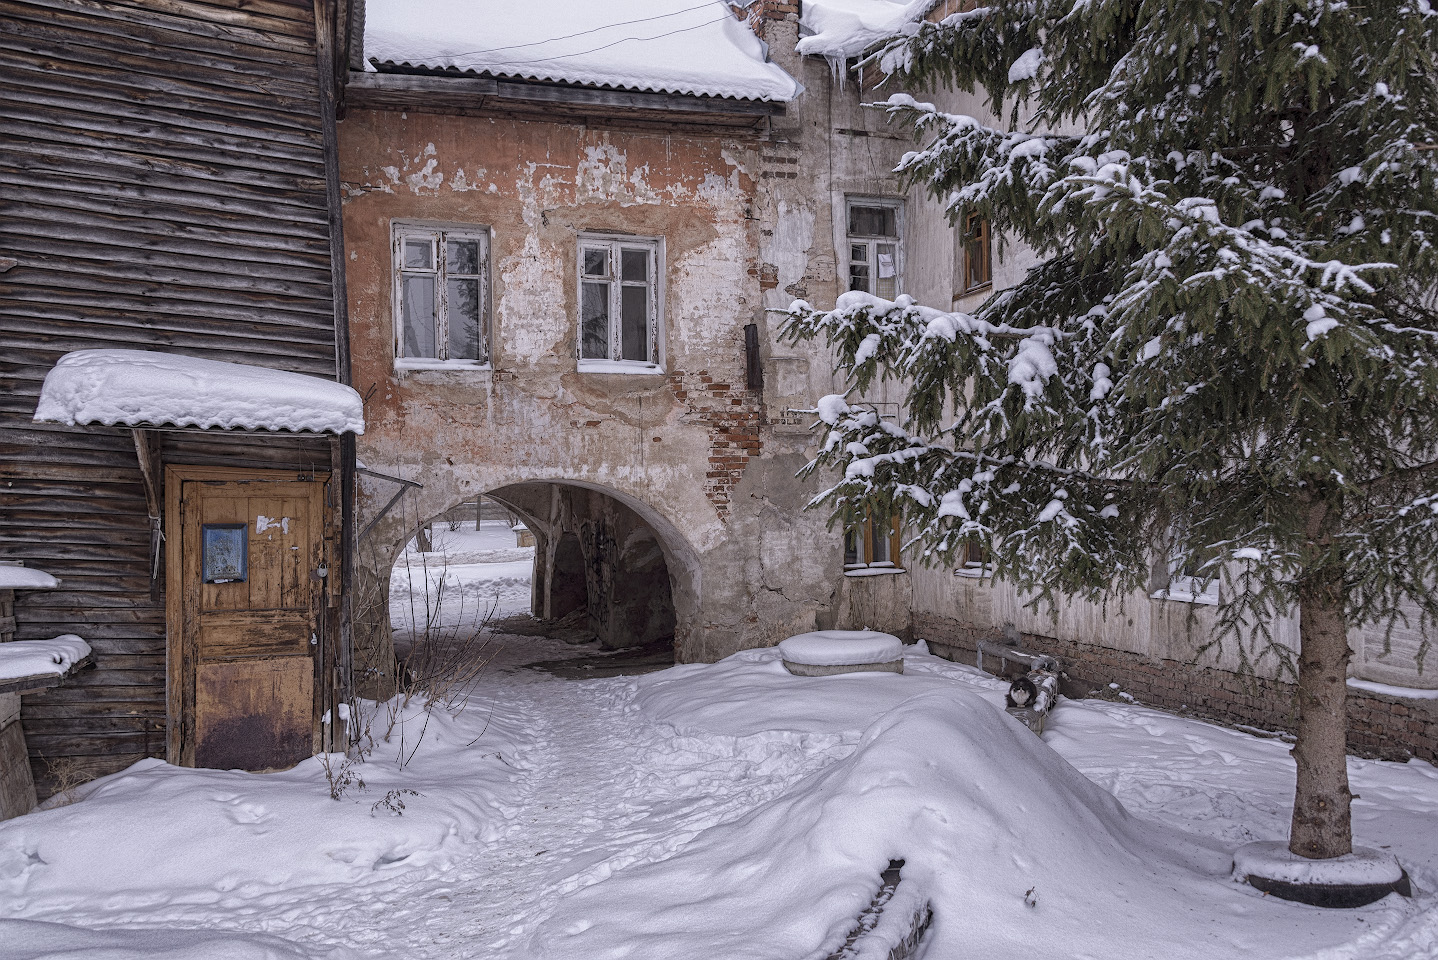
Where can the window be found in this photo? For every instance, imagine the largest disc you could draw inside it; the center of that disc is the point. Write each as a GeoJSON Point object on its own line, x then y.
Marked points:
{"type": "Point", "coordinates": [441, 295]}
{"type": "Point", "coordinates": [1190, 582]}
{"type": "Point", "coordinates": [874, 247]}
{"type": "Point", "coordinates": [978, 270]}
{"type": "Point", "coordinates": [974, 561]}
{"type": "Point", "coordinates": [872, 545]}
{"type": "Point", "coordinates": [619, 304]}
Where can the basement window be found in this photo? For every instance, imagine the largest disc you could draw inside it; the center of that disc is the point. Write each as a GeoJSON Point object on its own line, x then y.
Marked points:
{"type": "Point", "coordinates": [873, 240]}
{"type": "Point", "coordinates": [974, 561]}
{"type": "Point", "coordinates": [441, 296]}
{"type": "Point", "coordinates": [1188, 582]}
{"type": "Point", "coordinates": [871, 546]}
{"type": "Point", "coordinates": [619, 299]}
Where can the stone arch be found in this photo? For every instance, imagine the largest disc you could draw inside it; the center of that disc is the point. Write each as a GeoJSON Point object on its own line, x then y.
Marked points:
{"type": "Point", "coordinates": [535, 500]}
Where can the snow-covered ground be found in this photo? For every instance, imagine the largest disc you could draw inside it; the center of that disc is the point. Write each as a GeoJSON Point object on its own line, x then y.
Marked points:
{"type": "Point", "coordinates": [728, 810]}
{"type": "Point", "coordinates": [469, 576]}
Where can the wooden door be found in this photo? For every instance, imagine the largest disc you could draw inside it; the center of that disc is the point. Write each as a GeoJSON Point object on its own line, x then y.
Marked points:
{"type": "Point", "coordinates": [251, 555]}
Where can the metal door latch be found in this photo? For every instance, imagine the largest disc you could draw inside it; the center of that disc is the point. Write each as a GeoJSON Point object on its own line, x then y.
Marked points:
{"type": "Point", "coordinates": [314, 640]}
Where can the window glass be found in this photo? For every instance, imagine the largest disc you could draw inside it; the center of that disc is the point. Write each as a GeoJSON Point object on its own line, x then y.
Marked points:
{"type": "Point", "coordinates": [594, 320]}
{"type": "Point", "coordinates": [440, 293]}
{"type": "Point", "coordinates": [634, 312]}
{"type": "Point", "coordinates": [464, 328]}
{"type": "Point", "coordinates": [418, 255]}
{"type": "Point", "coordinates": [462, 256]}
{"type": "Point", "coordinates": [635, 265]}
{"type": "Point", "coordinates": [419, 317]}
{"type": "Point", "coordinates": [596, 263]}
{"type": "Point", "coordinates": [618, 300]}
{"type": "Point", "coordinates": [876, 221]}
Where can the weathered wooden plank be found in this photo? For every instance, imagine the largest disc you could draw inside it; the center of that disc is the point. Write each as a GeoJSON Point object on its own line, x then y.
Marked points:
{"type": "Point", "coordinates": [278, 18]}
{"type": "Point", "coordinates": [307, 346]}
{"type": "Point", "coordinates": [48, 33]}
{"type": "Point", "coordinates": [153, 81]}
{"type": "Point", "coordinates": [78, 278]}
{"type": "Point", "coordinates": [55, 728]}
{"type": "Point", "coordinates": [47, 706]}
{"type": "Point", "coordinates": [32, 242]}
{"type": "Point", "coordinates": [168, 225]}
{"type": "Point", "coordinates": [149, 26]}
{"type": "Point", "coordinates": [101, 98]}
{"type": "Point", "coordinates": [169, 168]}
{"type": "Point", "coordinates": [93, 745]}
{"type": "Point", "coordinates": [52, 776]}
{"type": "Point", "coordinates": [235, 160]}
{"type": "Point", "coordinates": [104, 176]}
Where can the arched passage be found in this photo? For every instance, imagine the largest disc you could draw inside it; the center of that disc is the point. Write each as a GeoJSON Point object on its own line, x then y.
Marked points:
{"type": "Point", "coordinates": [637, 578]}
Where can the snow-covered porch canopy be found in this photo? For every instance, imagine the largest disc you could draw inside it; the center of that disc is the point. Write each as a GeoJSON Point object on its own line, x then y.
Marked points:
{"type": "Point", "coordinates": [141, 388]}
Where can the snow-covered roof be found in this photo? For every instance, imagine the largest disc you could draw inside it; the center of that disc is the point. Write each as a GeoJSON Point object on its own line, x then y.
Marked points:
{"type": "Point", "coordinates": [666, 46]}
{"type": "Point", "coordinates": [13, 577]}
{"type": "Point", "coordinates": [846, 28]}
{"type": "Point", "coordinates": [20, 659]}
{"type": "Point", "coordinates": [137, 388]}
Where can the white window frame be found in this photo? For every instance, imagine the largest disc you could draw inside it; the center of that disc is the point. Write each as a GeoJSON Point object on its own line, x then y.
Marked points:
{"type": "Point", "coordinates": [871, 244]}
{"type": "Point", "coordinates": [437, 234]}
{"type": "Point", "coordinates": [613, 244]}
{"type": "Point", "coordinates": [1186, 588]}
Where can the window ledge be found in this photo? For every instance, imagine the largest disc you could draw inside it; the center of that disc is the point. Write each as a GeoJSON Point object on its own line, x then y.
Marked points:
{"type": "Point", "coordinates": [975, 573]}
{"type": "Point", "coordinates": [627, 367]}
{"type": "Point", "coordinates": [1182, 596]}
{"type": "Point", "coordinates": [404, 364]}
{"type": "Point", "coordinates": [873, 571]}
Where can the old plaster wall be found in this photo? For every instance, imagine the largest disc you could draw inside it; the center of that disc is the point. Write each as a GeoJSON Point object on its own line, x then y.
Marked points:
{"type": "Point", "coordinates": [688, 451]}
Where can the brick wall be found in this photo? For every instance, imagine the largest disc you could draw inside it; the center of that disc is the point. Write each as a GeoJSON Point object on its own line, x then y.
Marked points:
{"type": "Point", "coordinates": [1388, 728]}
{"type": "Point", "coordinates": [732, 414]}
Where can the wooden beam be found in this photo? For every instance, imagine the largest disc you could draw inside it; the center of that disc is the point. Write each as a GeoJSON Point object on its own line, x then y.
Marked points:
{"type": "Point", "coordinates": [147, 451]}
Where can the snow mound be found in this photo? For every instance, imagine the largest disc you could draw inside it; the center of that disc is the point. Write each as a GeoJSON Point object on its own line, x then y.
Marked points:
{"type": "Point", "coordinates": [720, 698]}
{"type": "Point", "coordinates": [834, 648]}
{"type": "Point", "coordinates": [34, 658]}
{"type": "Point", "coordinates": [670, 46]}
{"type": "Point", "coordinates": [989, 821]}
{"type": "Point", "coordinates": [1272, 860]}
{"type": "Point", "coordinates": [25, 578]}
{"type": "Point", "coordinates": [137, 388]}
{"type": "Point", "coordinates": [36, 940]}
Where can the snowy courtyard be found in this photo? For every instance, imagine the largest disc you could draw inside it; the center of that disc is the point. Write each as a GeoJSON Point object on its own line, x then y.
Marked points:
{"type": "Point", "coordinates": [727, 810]}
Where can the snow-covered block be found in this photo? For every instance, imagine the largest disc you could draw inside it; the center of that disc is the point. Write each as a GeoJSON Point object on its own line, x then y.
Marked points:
{"type": "Point", "coordinates": [25, 578]}
{"type": "Point", "coordinates": [1352, 880]}
{"type": "Point", "coordinates": [137, 388]}
{"type": "Point", "coordinates": [827, 652]}
{"type": "Point", "coordinates": [663, 46]}
{"type": "Point", "coordinates": [21, 659]}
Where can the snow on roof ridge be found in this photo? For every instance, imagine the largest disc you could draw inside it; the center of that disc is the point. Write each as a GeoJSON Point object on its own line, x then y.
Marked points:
{"type": "Point", "coordinates": [661, 46]}
{"type": "Point", "coordinates": [136, 388]}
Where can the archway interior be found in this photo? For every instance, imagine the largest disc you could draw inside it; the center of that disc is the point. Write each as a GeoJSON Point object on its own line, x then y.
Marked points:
{"type": "Point", "coordinates": [572, 561]}
{"type": "Point", "coordinates": [597, 561]}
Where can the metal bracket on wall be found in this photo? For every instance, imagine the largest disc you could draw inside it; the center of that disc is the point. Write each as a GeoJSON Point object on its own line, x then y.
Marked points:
{"type": "Point", "coordinates": [404, 486]}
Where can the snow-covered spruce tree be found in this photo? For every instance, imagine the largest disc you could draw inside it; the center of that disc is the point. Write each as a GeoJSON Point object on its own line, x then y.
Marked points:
{"type": "Point", "coordinates": [1228, 353]}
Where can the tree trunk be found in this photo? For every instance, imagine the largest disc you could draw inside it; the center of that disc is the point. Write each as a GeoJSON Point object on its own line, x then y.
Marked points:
{"type": "Point", "coordinates": [1322, 826]}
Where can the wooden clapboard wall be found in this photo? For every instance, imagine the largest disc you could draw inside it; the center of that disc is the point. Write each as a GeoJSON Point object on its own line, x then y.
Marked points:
{"type": "Point", "coordinates": [162, 185]}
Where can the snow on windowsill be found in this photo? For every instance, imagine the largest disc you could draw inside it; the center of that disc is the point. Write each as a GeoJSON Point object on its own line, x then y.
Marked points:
{"type": "Point", "coordinates": [405, 364]}
{"type": "Point", "coordinates": [25, 578]}
{"type": "Point", "coordinates": [1390, 690]}
{"type": "Point", "coordinates": [36, 658]}
{"type": "Point", "coordinates": [1183, 596]}
{"type": "Point", "coordinates": [627, 367]}
{"type": "Point", "coordinates": [873, 571]}
{"type": "Point", "coordinates": [974, 572]}
{"type": "Point", "coordinates": [147, 388]}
